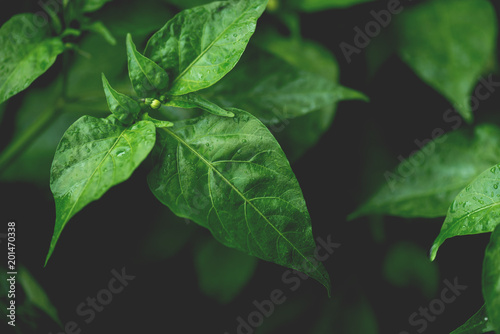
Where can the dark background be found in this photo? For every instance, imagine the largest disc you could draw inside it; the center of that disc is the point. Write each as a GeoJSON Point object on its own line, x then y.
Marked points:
{"type": "Point", "coordinates": [164, 296]}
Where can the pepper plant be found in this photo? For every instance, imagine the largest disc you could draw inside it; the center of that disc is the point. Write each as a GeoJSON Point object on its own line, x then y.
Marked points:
{"type": "Point", "coordinates": [217, 101]}
{"type": "Point", "coordinates": [223, 170]}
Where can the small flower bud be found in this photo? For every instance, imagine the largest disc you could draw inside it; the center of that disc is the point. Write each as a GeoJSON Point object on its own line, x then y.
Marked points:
{"type": "Point", "coordinates": [155, 104]}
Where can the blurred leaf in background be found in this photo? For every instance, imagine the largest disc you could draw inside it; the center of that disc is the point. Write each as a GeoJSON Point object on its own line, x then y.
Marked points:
{"type": "Point", "coordinates": [165, 237]}
{"type": "Point", "coordinates": [407, 265]}
{"type": "Point", "coordinates": [443, 43]}
{"type": "Point", "coordinates": [222, 272]}
{"type": "Point", "coordinates": [425, 184]}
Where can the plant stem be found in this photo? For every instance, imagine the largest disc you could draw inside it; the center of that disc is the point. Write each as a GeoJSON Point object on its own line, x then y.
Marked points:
{"type": "Point", "coordinates": [19, 144]}
{"type": "Point", "coordinates": [12, 152]}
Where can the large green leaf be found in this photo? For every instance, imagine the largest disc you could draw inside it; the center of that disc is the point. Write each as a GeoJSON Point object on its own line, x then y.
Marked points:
{"type": "Point", "coordinates": [222, 272]}
{"type": "Point", "coordinates": [274, 90]}
{"type": "Point", "coordinates": [318, 5]}
{"type": "Point", "coordinates": [425, 184]}
{"type": "Point", "coordinates": [443, 43]}
{"type": "Point", "coordinates": [476, 209]}
{"type": "Point", "coordinates": [491, 279]}
{"type": "Point", "coordinates": [231, 176]}
{"type": "Point", "coordinates": [26, 52]}
{"type": "Point", "coordinates": [94, 154]}
{"type": "Point", "coordinates": [201, 45]}
{"type": "Point", "coordinates": [477, 324]}
{"type": "Point", "coordinates": [146, 76]}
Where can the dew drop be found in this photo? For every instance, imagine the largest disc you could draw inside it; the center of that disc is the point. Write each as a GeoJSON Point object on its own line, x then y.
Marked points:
{"type": "Point", "coordinates": [120, 153]}
{"type": "Point", "coordinates": [493, 169]}
{"type": "Point", "coordinates": [495, 186]}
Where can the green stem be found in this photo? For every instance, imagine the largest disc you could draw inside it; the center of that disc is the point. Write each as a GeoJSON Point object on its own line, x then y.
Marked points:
{"type": "Point", "coordinates": [23, 141]}
{"type": "Point", "coordinates": [12, 152]}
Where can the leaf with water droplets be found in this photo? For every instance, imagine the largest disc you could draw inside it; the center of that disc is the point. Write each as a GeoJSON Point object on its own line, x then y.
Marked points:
{"type": "Point", "coordinates": [491, 279]}
{"type": "Point", "coordinates": [476, 209]}
{"type": "Point", "coordinates": [201, 45]}
{"type": "Point", "coordinates": [26, 52]}
{"type": "Point", "coordinates": [93, 155]}
{"type": "Point", "coordinates": [240, 186]}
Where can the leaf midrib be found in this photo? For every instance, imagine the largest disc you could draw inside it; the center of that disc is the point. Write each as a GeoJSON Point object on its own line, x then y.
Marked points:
{"type": "Point", "coordinates": [211, 166]}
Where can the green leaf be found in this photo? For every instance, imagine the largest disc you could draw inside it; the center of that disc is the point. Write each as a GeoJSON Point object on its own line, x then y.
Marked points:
{"type": "Point", "coordinates": [188, 3]}
{"type": "Point", "coordinates": [122, 106]}
{"type": "Point", "coordinates": [287, 314]}
{"type": "Point", "coordinates": [275, 91]}
{"type": "Point", "coordinates": [230, 176]}
{"type": "Point", "coordinates": [297, 135]}
{"type": "Point", "coordinates": [408, 265]}
{"type": "Point", "coordinates": [146, 76]}
{"type": "Point", "coordinates": [477, 324]}
{"type": "Point", "coordinates": [319, 5]}
{"type": "Point", "coordinates": [347, 314]}
{"type": "Point", "coordinates": [36, 294]}
{"type": "Point", "coordinates": [491, 279]}
{"type": "Point", "coordinates": [156, 122]}
{"type": "Point", "coordinates": [193, 100]}
{"type": "Point", "coordinates": [426, 184]}
{"type": "Point", "coordinates": [301, 53]}
{"type": "Point", "coordinates": [26, 53]}
{"type": "Point", "coordinates": [94, 154]}
{"type": "Point", "coordinates": [442, 42]}
{"type": "Point", "coordinates": [142, 18]}
{"type": "Point", "coordinates": [200, 45]}
{"type": "Point", "coordinates": [99, 28]}
{"type": "Point", "coordinates": [476, 209]}
{"type": "Point", "coordinates": [222, 272]}
{"type": "Point", "coordinates": [167, 235]}
{"type": "Point", "coordinates": [93, 5]}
